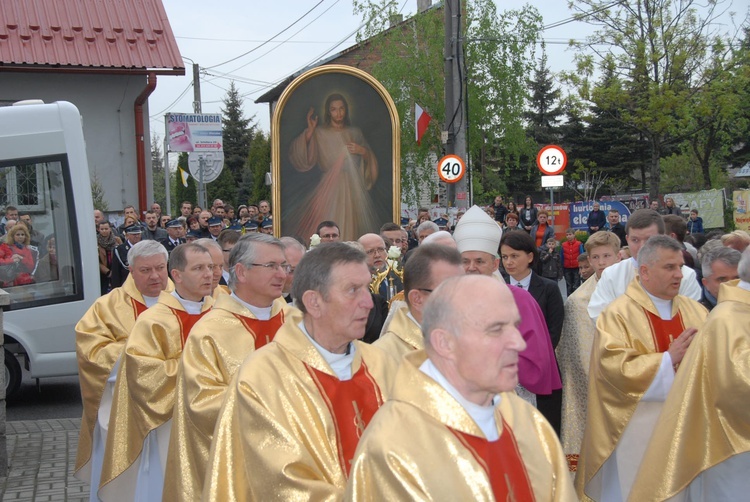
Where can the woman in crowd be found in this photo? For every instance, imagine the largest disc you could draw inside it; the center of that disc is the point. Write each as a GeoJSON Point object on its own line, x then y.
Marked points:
{"type": "Point", "coordinates": [528, 214]}
{"type": "Point", "coordinates": [17, 259]}
{"type": "Point", "coordinates": [193, 223]}
{"type": "Point", "coordinates": [520, 259]}
{"type": "Point", "coordinates": [512, 208]}
{"type": "Point", "coordinates": [542, 231]}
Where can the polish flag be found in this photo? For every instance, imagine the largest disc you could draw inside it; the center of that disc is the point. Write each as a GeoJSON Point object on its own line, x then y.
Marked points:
{"type": "Point", "coordinates": [422, 119]}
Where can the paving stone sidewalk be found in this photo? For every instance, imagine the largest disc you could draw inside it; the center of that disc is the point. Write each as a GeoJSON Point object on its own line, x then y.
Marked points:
{"type": "Point", "coordinates": [41, 458]}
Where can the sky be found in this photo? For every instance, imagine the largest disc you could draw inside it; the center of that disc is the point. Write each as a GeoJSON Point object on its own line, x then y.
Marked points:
{"type": "Point", "coordinates": [240, 40]}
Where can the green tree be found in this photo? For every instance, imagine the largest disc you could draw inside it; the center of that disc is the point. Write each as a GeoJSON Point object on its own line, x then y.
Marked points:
{"type": "Point", "coordinates": [97, 194]}
{"type": "Point", "coordinates": [224, 187]}
{"type": "Point", "coordinates": [544, 113]}
{"type": "Point", "coordinates": [658, 51]}
{"type": "Point", "coordinates": [258, 163]}
{"type": "Point", "coordinates": [157, 173]}
{"type": "Point", "coordinates": [237, 134]}
{"type": "Point", "coordinates": [499, 51]}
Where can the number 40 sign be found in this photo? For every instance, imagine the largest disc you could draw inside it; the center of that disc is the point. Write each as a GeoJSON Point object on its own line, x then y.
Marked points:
{"type": "Point", "coordinates": [551, 160]}
{"type": "Point", "coordinates": [451, 168]}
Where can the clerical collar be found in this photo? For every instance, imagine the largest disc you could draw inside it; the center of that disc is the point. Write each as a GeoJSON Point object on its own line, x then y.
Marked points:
{"type": "Point", "coordinates": [190, 306]}
{"type": "Point", "coordinates": [484, 416]}
{"type": "Point", "coordinates": [523, 283]}
{"type": "Point", "coordinates": [260, 313]}
{"type": "Point", "coordinates": [150, 301]}
{"type": "Point", "coordinates": [744, 285]}
{"type": "Point", "coordinates": [408, 314]}
{"type": "Point", "coordinates": [341, 364]}
{"type": "Point", "coordinates": [664, 307]}
{"type": "Point", "coordinates": [225, 275]}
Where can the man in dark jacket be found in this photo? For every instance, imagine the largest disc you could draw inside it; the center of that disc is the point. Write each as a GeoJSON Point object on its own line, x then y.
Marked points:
{"type": "Point", "coordinates": [596, 220]}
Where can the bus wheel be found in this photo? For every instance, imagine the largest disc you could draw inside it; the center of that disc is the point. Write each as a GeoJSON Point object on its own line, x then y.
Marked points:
{"type": "Point", "coordinates": [13, 374]}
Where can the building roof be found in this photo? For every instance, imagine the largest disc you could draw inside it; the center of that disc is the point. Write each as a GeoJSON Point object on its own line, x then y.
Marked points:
{"type": "Point", "coordinates": [109, 36]}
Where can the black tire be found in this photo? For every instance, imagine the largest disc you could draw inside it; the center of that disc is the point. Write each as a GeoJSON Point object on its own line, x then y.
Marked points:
{"type": "Point", "coordinates": [13, 374]}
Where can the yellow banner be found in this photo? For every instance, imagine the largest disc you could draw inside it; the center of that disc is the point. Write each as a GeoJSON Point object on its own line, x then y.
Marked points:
{"type": "Point", "coordinates": [741, 205]}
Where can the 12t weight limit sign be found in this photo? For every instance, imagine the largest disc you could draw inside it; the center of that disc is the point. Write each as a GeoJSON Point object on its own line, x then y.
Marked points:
{"type": "Point", "coordinates": [551, 160]}
{"type": "Point", "coordinates": [451, 168]}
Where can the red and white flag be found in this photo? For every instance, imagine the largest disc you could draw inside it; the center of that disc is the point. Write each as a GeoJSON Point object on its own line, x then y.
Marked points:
{"type": "Point", "coordinates": [422, 119]}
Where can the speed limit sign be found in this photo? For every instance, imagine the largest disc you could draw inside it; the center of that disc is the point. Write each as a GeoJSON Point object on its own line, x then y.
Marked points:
{"type": "Point", "coordinates": [451, 168]}
{"type": "Point", "coordinates": [551, 160]}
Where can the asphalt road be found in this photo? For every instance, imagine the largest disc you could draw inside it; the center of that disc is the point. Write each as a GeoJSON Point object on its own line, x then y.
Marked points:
{"type": "Point", "coordinates": [55, 398]}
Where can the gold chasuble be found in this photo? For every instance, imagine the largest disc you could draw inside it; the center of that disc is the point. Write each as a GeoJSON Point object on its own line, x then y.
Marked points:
{"type": "Point", "coordinates": [706, 418]}
{"type": "Point", "coordinates": [573, 357]}
{"type": "Point", "coordinates": [145, 390]}
{"type": "Point", "coordinates": [289, 426]}
{"type": "Point", "coordinates": [403, 335]}
{"type": "Point", "coordinates": [423, 445]}
{"type": "Point", "coordinates": [625, 360]}
{"type": "Point", "coordinates": [100, 337]}
{"type": "Point", "coordinates": [216, 347]}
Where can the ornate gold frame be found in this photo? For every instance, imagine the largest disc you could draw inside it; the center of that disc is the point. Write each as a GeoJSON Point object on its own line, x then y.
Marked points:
{"type": "Point", "coordinates": [276, 140]}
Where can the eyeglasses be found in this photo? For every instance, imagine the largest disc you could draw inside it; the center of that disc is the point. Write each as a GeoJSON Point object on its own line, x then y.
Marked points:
{"type": "Point", "coordinates": [375, 251]}
{"type": "Point", "coordinates": [274, 266]}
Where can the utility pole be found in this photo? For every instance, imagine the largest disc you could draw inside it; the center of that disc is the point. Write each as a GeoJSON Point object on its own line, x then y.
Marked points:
{"type": "Point", "coordinates": [201, 159]}
{"type": "Point", "coordinates": [455, 104]}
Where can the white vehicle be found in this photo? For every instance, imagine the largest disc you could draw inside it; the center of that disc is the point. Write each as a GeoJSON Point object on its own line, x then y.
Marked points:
{"type": "Point", "coordinates": [44, 174]}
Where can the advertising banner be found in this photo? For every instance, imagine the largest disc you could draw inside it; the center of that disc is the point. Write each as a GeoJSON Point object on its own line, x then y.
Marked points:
{"type": "Point", "coordinates": [579, 212]}
{"type": "Point", "coordinates": [194, 132]}
{"type": "Point", "coordinates": [709, 203]}
{"type": "Point", "coordinates": [562, 218]}
{"type": "Point", "coordinates": [741, 214]}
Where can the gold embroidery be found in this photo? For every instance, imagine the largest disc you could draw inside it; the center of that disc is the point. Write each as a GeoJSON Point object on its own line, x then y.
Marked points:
{"type": "Point", "coordinates": [359, 422]}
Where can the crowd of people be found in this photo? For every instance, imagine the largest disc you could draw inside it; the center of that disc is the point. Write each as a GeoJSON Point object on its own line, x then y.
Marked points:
{"type": "Point", "coordinates": [419, 362]}
{"type": "Point", "coordinates": [26, 255]}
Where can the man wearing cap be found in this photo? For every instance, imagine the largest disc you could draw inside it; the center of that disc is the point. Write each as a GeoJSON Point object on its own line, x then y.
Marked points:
{"type": "Point", "coordinates": [140, 421]}
{"type": "Point", "coordinates": [100, 338]}
{"type": "Point", "coordinates": [428, 266]}
{"type": "Point", "coordinates": [192, 235]}
{"type": "Point", "coordinates": [266, 226]}
{"type": "Point", "coordinates": [250, 226]}
{"type": "Point", "coordinates": [238, 324]}
{"type": "Point", "coordinates": [120, 270]}
{"type": "Point", "coordinates": [174, 230]}
{"type": "Point", "coordinates": [478, 237]}
{"type": "Point", "coordinates": [215, 226]}
{"type": "Point", "coordinates": [454, 401]}
{"type": "Point", "coordinates": [292, 418]}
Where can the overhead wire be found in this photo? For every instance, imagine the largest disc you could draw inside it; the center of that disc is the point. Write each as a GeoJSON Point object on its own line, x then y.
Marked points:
{"type": "Point", "coordinates": [269, 40]}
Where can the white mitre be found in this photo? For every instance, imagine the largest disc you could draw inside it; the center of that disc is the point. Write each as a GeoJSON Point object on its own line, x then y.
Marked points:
{"type": "Point", "coordinates": [476, 231]}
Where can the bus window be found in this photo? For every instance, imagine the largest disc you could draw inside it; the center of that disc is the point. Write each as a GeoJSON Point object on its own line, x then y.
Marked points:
{"type": "Point", "coordinates": [39, 259]}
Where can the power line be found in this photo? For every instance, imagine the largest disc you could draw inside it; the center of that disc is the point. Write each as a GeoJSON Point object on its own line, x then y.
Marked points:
{"type": "Point", "coordinates": [270, 39]}
{"type": "Point", "coordinates": [582, 16]}
{"type": "Point", "coordinates": [182, 94]}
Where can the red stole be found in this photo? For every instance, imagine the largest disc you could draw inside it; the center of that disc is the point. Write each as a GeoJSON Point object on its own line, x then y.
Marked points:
{"type": "Point", "coordinates": [186, 321]}
{"type": "Point", "coordinates": [138, 307]}
{"type": "Point", "coordinates": [664, 332]}
{"type": "Point", "coordinates": [502, 462]}
{"type": "Point", "coordinates": [351, 403]}
{"type": "Point", "coordinates": [262, 331]}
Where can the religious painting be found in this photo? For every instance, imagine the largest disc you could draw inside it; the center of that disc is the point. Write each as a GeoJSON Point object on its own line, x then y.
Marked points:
{"type": "Point", "coordinates": [336, 154]}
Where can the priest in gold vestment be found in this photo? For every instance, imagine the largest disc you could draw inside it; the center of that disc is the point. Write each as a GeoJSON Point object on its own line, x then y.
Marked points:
{"type": "Point", "coordinates": [100, 338]}
{"type": "Point", "coordinates": [217, 257]}
{"type": "Point", "coordinates": [641, 338]}
{"type": "Point", "coordinates": [292, 419]}
{"type": "Point", "coordinates": [574, 349]}
{"type": "Point", "coordinates": [428, 266]}
{"type": "Point", "coordinates": [453, 429]}
{"type": "Point", "coordinates": [238, 324]}
{"type": "Point", "coordinates": [700, 450]}
{"type": "Point", "coordinates": [140, 421]}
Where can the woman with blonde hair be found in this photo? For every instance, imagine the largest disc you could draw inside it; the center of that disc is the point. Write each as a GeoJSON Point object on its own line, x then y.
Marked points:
{"type": "Point", "coordinates": [17, 258]}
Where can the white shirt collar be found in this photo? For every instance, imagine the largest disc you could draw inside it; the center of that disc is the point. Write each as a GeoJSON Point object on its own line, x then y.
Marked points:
{"type": "Point", "coordinates": [341, 364]}
{"type": "Point", "coordinates": [261, 313]}
{"type": "Point", "coordinates": [150, 301]}
{"type": "Point", "coordinates": [664, 307]}
{"type": "Point", "coordinates": [744, 285]}
{"type": "Point", "coordinates": [484, 416]}
{"type": "Point", "coordinates": [523, 283]}
{"type": "Point", "coordinates": [190, 306]}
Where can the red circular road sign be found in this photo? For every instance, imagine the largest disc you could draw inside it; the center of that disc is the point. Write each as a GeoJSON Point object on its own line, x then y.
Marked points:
{"type": "Point", "coordinates": [451, 168]}
{"type": "Point", "coordinates": [551, 160]}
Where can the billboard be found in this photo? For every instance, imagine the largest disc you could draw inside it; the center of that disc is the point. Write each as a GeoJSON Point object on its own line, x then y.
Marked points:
{"type": "Point", "coordinates": [708, 203]}
{"type": "Point", "coordinates": [579, 212]}
{"type": "Point", "coordinates": [741, 214]}
{"type": "Point", "coordinates": [194, 132]}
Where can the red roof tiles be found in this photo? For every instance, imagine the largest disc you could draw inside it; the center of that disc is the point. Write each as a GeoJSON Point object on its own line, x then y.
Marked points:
{"type": "Point", "coordinates": [105, 34]}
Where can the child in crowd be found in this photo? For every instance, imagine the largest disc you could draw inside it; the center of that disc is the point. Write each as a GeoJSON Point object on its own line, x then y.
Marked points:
{"type": "Point", "coordinates": [551, 265]}
{"type": "Point", "coordinates": [624, 253]}
{"type": "Point", "coordinates": [694, 223]}
{"type": "Point", "coordinates": [571, 250]}
{"type": "Point", "coordinates": [584, 267]}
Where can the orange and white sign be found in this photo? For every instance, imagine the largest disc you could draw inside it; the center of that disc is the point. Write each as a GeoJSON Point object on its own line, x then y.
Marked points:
{"type": "Point", "coordinates": [451, 168]}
